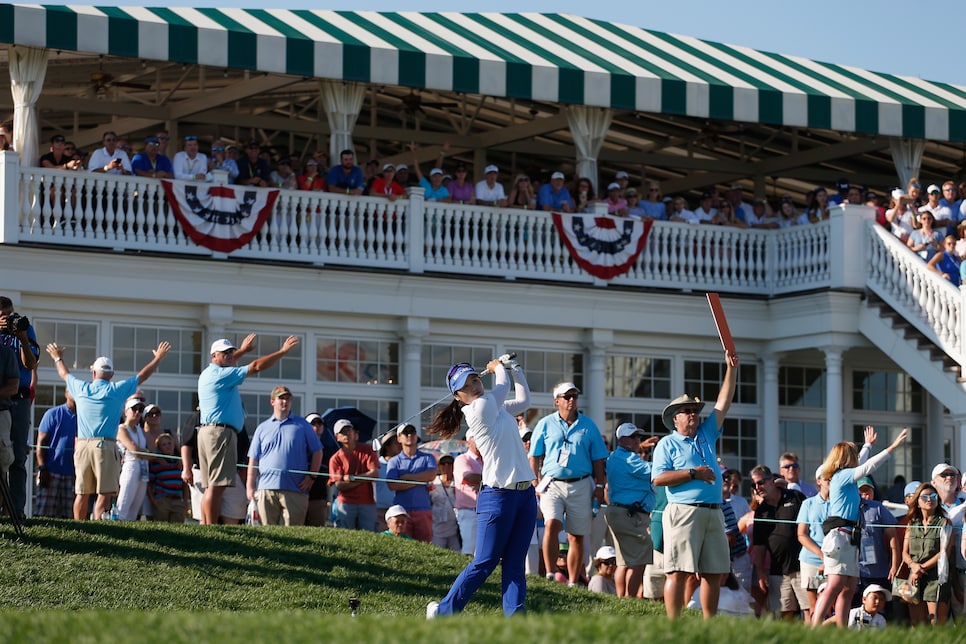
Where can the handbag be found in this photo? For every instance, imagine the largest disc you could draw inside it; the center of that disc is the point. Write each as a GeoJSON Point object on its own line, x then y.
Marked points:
{"type": "Point", "coordinates": [903, 588]}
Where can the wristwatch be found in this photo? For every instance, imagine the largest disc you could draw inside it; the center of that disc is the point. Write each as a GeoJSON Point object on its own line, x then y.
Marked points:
{"type": "Point", "coordinates": [693, 473]}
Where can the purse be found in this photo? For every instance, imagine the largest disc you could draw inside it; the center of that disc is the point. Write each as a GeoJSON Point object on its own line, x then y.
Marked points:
{"type": "Point", "coordinates": [903, 588]}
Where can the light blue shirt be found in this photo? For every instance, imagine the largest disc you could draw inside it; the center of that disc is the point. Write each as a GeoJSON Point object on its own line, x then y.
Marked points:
{"type": "Point", "coordinates": [60, 425]}
{"type": "Point", "coordinates": [100, 404]}
{"type": "Point", "coordinates": [629, 479]}
{"type": "Point", "coordinates": [552, 434]}
{"type": "Point", "coordinates": [553, 198]}
{"type": "Point", "coordinates": [218, 395]}
{"type": "Point", "coordinates": [416, 497]}
{"type": "Point", "coordinates": [678, 452]}
{"type": "Point", "coordinates": [814, 511]}
{"type": "Point", "coordinates": [431, 194]}
{"type": "Point", "coordinates": [843, 495]}
{"type": "Point", "coordinates": [283, 449]}
{"type": "Point", "coordinates": [655, 209]}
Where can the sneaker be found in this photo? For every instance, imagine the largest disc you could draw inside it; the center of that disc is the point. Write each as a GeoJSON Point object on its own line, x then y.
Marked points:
{"type": "Point", "coordinates": [432, 610]}
{"type": "Point", "coordinates": [550, 576]}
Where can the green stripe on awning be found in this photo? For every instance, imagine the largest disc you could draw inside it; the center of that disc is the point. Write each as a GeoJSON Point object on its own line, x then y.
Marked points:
{"type": "Point", "coordinates": [61, 28]}
{"type": "Point", "coordinates": [182, 37]}
{"type": "Point", "coordinates": [122, 33]}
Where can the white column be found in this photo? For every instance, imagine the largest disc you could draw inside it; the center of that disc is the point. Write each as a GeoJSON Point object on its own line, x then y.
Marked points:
{"type": "Point", "coordinates": [934, 447]}
{"type": "Point", "coordinates": [593, 392]}
{"type": "Point", "coordinates": [834, 432]}
{"type": "Point", "coordinates": [9, 198]}
{"type": "Point", "coordinates": [416, 230]}
{"type": "Point", "coordinates": [414, 329]}
{"type": "Point", "coordinates": [768, 450]}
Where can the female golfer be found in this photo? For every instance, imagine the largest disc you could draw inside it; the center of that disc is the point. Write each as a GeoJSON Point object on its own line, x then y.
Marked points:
{"type": "Point", "coordinates": [841, 469]}
{"type": "Point", "coordinates": [506, 507]}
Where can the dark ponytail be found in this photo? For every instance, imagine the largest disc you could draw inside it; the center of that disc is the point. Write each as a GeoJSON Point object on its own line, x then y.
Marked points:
{"type": "Point", "coordinates": [448, 420]}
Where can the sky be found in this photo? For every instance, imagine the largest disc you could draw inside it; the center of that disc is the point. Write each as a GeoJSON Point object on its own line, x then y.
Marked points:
{"type": "Point", "coordinates": [892, 36]}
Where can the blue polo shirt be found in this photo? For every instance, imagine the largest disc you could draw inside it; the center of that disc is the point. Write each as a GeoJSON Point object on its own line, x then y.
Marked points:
{"type": "Point", "coordinates": [283, 449]}
{"type": "Point", "coordinates": [60, 425]}
{"type": "Point", "coordinates": [218, 395]}
{"type": "Point", "coordinates": [339, 179]}
{"type": "Point", "coordinates": [553, 198]}
{"type": "Point", "coordinates": [629, 479]}
{"type": "Point", "coordinates": [813, 512]}
{"type": "Point", "coordinates": [417, 497]}
{"type": "Point", "coordinates": [678, 452]}
{"type": "Point", "coordinates": [431, 194]}
{"type": "Point", "coordinates": [552, 434]}
{"type": "Point", "coordinates": [99, 404]}
{"type": "Point", "coordinates": [143, 162]}
{"type": "Point", "coordinates": [843, 495]}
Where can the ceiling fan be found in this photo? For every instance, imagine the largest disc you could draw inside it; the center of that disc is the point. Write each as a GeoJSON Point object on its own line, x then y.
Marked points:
{"type": "Point", "coordinates": [101, 81]}
{"type": "Point", "coordinates": [414, 103]}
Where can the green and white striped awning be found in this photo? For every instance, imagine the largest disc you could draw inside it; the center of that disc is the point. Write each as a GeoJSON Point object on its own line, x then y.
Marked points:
{"type": "Point", "coordinates": [558, 58]}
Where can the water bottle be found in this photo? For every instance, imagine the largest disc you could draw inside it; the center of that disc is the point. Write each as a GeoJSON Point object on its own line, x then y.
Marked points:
{"type": "Point", "coordinates": [113, 515]}
{"type": "Point", "coordinates": [595, 507]}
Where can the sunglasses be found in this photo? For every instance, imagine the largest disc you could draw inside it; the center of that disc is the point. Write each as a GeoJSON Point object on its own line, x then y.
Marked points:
{"type": "Point", "coordinates": [567, 396]}
{"type": "Point", "coordinates": [947, 475]}
{"type": "Point", "coordinates": [408, 432]}
{"type": "Point", "coordinates": [688, 410]}
{"type": "Point", "coordinates": [138, 409]}
{"type": "Point", "coordinates": [153, 414]}
{"type": "Point", "coordinates": [609, 562]}
{"type": "Point", "coordinates": [790, 466]}
{"type": "Point", "coordinates": [930, 497]}
{"type": "Point", "coordinates": [164, 138]}
{"type": "Point", "coordinates": [58, 140]}
{"type": "Point", "coordinates": [760, 483]}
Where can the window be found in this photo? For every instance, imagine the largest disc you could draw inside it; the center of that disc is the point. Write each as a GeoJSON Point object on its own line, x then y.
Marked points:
{"type": "Point", "coordinates": [546, 369]}
{"type": "Point", "coordinates": [176, 405]}
{"type": "Point", "coordinates": [801, 386]}
{"type": "Point", "coordinates": [738, 447]}
{"type": "Point", "coordinates": [650, 423]}
{"type": "Point", "coordinates": [905, 460]}
{"type": "Point", "coordinates": [370, 362]}
{"type": "Point", "coordinates": [288, 368]}
{"type": "Point", "coordinates": [703, 379]}
{"type": "Point", "coordinates": [46, 397]}
{"type": "Point", "coordinates": [805, 438]}
{"type": "Point", "coordinates": [79, 340]}
{"type": "Point", "coordinates": [886, 391]}
{"type": "Point", "coordinates": [438, 358]}
{"type": "Point", "coordinates": [134, 346]}
{"type": "Point", "coordinates": [637, 377]}
{"type": "Point", "coordinates": [258, 408]}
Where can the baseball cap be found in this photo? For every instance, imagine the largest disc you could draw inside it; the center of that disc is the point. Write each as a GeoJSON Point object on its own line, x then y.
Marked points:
{"type": "Point", "coordinates": [281, 390]}
{"type": "Point", "coordinates": [876, 588]}
{"type": "Point", "coordinates": [221, 345]}
{"type": "Point", "coordinates": [563, 388]}
{"type": "Point", "coordinates": [911, 488]}
{"type": "Point", "coordinates": [490, 168]}
{"type": "Point", "coordinates": [311, 418]}
{"type": "Point", "coordinates": [150, 408]}
{"type": "Point", "coordinates": [152, 140]}
{"type": "Point", "coordinates": [341, 424]}
{"type": "Point", "coordinates": [865, 480]}
{"type": "Point", "coordinates": [525, 434]}
{"type": "Point", "coordinates": [396, 511]}
{"type": "Point", "coordinates": [254, 144]}
{"type": "Point", "coordinates": [630, 192]}
{"type": "Point", "coordinates": [401, 427]}
{"type": "Point", "coordinates": [942, 467]}
{"type": "Point", "coordinates": [557, 175]}
{"type": "Point", "coordinates": [628, 429]}
{"type": "Point", "coordinates": [435, 171]}
{"type": "Point", "coordinates": [605, 552]}
{"type": "Point", "coordinates": [843, 184]}
{"type": "Point", "coordinates": [933, 188]}
{"type": "Point", "coordinates": [457, 376]}
{"type": "Point", "coordinates": [613, 186]}
{"type": "Point", "coordinates": [621, 175]}
{"type": "Point", "coordinates": [103, 364]}
{"type": "Point", "coordinates": [401, 166]}
{"type": "Point", "coordinates": [133, 402]}
{"type": "Point", "coordinates": [388, 166]}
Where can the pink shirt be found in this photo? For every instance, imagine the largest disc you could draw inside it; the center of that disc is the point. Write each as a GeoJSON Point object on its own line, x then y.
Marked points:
{"type": "Point", "coordinates": [462, 465]}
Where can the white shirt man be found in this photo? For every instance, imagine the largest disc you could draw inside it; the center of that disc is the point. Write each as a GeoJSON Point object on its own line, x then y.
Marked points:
{"type": "Point", "coordinates": [109, 159]}
{"type": "Point", "coordinates": [189, 164]}
{"type": "Point", "coordinates": [488, 191]}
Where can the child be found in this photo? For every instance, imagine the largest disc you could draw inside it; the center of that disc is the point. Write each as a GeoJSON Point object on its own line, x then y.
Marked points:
{"type": "Point", "coordinates": [165, 487]}
{"type": "Point", "coordinates": [874, 598]}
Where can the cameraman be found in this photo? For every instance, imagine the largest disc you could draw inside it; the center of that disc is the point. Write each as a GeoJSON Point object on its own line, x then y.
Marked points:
{"type": "Point", "coordinates": [17, 334]}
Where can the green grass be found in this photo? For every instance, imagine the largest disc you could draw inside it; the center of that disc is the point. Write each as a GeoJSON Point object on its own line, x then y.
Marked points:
{"type": "Point", "coordinates": [144, 582]}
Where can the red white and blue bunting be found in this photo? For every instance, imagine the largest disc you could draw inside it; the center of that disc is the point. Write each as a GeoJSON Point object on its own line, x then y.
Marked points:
{"type": "Point", "coordinates": [602, 245]}
{"type": "Point", "coordinates": [222, 218]}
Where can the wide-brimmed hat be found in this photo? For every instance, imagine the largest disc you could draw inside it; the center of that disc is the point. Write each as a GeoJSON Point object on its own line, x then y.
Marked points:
{"type": "Point", "coordinates": [684, 400]}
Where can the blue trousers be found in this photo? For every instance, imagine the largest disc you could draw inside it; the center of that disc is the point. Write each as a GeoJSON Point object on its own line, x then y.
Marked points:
{"type": "Point", "coordinates": [505, 521]}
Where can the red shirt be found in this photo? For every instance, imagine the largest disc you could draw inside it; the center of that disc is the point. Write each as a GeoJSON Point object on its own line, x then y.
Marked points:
{"type": "Point", "coordinates": [316, 183]}
{"type": "Point", "coordinates": [379, 187]}
{"type": "Point", "coordinates": [356, 463]}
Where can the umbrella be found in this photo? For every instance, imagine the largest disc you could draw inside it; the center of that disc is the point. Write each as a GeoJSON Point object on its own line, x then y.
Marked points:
{"type": "Point", "coordinates": [451, 446]}
{"type": "Point", "coordinates": [364, 424]}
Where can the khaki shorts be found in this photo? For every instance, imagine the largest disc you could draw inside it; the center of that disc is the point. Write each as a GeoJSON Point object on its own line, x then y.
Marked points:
{"type": "Point", "coordinates": [282, 507]}
{"type": "Point", "coordinates": [807, 575]}
{"type": "Point", "coordinates": [695, 540]}
{"type": "Point", "coordinates": [97, 466]}
{"type": "Point", "coordinates": [654, 578]}
{"type": "Point", "coordinates": [571, 500]}
{"type": "Point", "coordinates": [217, 455]}
{"type": "Point", "coordinates": [234, 502]}
{"type": "Point", "coordinates": [631, 535]}
{"type": "Point", "coordinates": [785, 593]}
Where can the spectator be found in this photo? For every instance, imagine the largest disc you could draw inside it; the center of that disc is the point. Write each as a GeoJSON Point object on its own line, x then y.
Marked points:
{"type": "Point", "coordinates": [371, 174]}
{"type": "Point", "coordinates": [489, 191]}
{"type": "Point", "coordinates": [403, 177]}
{"type": "Point", "coordinates": [357, 502]}
{"type": "Point", "coordinates": [605, 563]}
{"type": "Point", "coordinates": [388, 447]}
{"type": "Point", "coordinates": [317, 512]}
{"type": "Point", "coordinates": [253, 170]}
{"type": "Point", "coordinates": [283, 449]}
{"type": "Point", "coordinates": [630, 497]}
{"type": "Point", "coordinates": [791, 471]}
{"type": "Point", "coordinates": [732, 507]}
{"type": "Point", "coordinates": [693, 530]}
{"type": "Point", "coordinates": [853, 196]}
{"type": "Point", "coordinates": [653, 204]}
{"type": "Point", "coordinates": [396, 520]}
{"type": "Point", "coordinates": [584, 196]}
{"type": "Point", "coordinates": [412, 464]}
{"type": "Point", "coordinates": [151, 164]}
{"type": "Point", "coordinates": [616, 204]}
{"type": "Point", "coordinates": [385, 186]}
{"type": "Point", "coordinates": [733, 196]}
{"type": "Point", "coordinates": [726, 217]}
{"type": "Point", "coordinates": [946, 480]}
{"type": "Point", "coordinates": [925, 241]}
{"type": "Point", "coordinates": [220, 161]}
{"type": "Point", "coordinates": [900, 215]}
{"type": "Point", "coordinates": [163, 138]}
{"type": "Point", "coordinates": [311, 180]}
{"type": "Point", "coordinates": [949, 200]}
{"type": "Point", "coordinates": [881, 552]}
{"type": "Point", "coordinates": [875, 599]}
{"type": "Point", "coordinates": [817, 209]}
{"type": "Point", "coordinates": [522, 195]}
{"type": "Point", "coordinates": [680, 212]}
{"type": "Point", "coordinates": [927, 551]}
{"type": "Point", "coordinates": [442, 496]}
{"type": "Point", "coordinates": [622, 179]}
{"type": "Point", "coordinates": [761, 216]}
{"type": "Point", "coordinates": [134, 463]}
{"type": "Point", "coordinates": [468, 474]}
{"type": "Point", "coordinates": [843, 187]}
{"type": "Point", "coordinates": [461, 190]}
{"type": "Point", "coordinates": [99, 405]}
{"type": "Point", "coordinates": [283, 177]}
{"type": "Point", "coordinates": [914, 190]}
{"type": "Point", "coordinates": [57, 158]}
{"type": "Point", "coordinates": [553, 196]}
{"type": "Point", "coordinates": [567, 450]}
{"type": "Point", "coordinates": [22, 341]}
{"type": "Point", "coordinates": [811, 516]}
{"type": "Point", "coordinates": [947, 263]}
{"type": "Point", "coordinates": [705, 212]}
{"type": "Point", "coordinates": [635, 209]}
{"type": "Point", "coordinates": [222, 427]}
{"type": "Point", "coordinates": [190, 164]}
{"type": "Point", "coordinates": [110, 158]}
{"type": "Point", "coordinates": [55, 460]}
{"type": "Point", "coordinates": [5, 138]}
{"type": "Point", "coordinates": [788, 216]}
{"type": "Point", "coordinates": [165, 487]}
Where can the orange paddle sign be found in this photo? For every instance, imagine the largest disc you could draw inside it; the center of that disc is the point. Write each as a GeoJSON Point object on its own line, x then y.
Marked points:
{"type": "Point", "coordinates": [727, 342]}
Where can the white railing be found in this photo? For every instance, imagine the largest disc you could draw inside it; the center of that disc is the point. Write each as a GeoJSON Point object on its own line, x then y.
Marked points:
{"type": "Point", "coordinates": [131, 213]}
{"type": "Point", "coordinates": [924, 298]}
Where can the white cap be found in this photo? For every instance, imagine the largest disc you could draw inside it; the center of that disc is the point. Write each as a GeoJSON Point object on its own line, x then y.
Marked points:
{"type": "Point", "coordinates": [435, 171]}
{"type": "Point", "coordinates": [401, 166]}
{"type": "Point", "coordinates": [490, 168]}
{"type": "Point", "coordinates": [605, 552]}
{"type": "Point", "coordinates": [396, 511]}
{"type": "Point", "coordinates": [557, 175]}
{"type": "Point", "coordinates": [614, 186]}
{"type": "Point", "coordinates": [563, 388]}
{"type": "Point", "coordinates": [221, 345]}
{"type": "Point", "coordinates": [876, 588]}
{"type": "Point", "coordinates": [388, 166]}
{"type": "Point", "coordinates": [133, 402]}
{"type": "Point", "coordinates": [103, 365]}
{"type": "Point", "coordinates": [341, 424]}
{"type": "Point", "coordinates": [627, 429]}
{"type": "Point", "coordinates": [311, 417]}
{"type": "Point", "coordinates": [933, 188]}
{"type": "Point", "coordinates": [621, 175]}
{"type": "Point", "coordinates": [898, 193]}
{"type": "Point", "coordinates": [942, 467]}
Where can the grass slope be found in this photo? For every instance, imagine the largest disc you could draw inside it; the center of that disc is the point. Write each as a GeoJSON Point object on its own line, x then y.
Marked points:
{"type": "Point", "coordinates": [146, 582]}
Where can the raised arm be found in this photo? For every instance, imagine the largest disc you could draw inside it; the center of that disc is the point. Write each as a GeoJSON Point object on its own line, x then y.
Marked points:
{"type": "Point", "coordinates": [148, 369]}
{"type": "Point", "coordinates": [260, 364]}
{"type": "Point", "coordinates": [873, 463]}
{"type": "Point", "coordinates": [727, 393]}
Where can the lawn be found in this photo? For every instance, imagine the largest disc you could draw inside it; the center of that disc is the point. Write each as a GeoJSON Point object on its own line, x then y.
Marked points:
{"type": "Point", "coordinates": [144, 582]}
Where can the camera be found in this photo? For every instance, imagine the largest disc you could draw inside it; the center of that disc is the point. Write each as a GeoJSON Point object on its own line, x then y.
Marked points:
{"type": "Point", "coordinates": [15, 324]}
